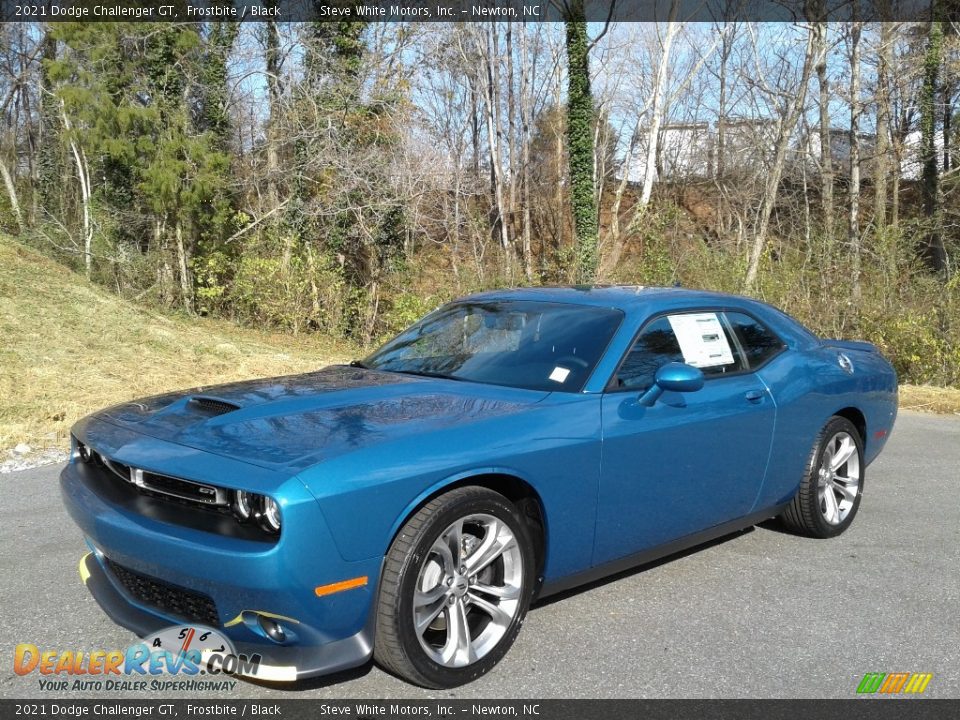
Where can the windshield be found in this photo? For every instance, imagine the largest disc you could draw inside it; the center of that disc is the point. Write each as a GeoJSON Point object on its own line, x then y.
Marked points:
{"type": "Point", "coordinates": [532, 345]}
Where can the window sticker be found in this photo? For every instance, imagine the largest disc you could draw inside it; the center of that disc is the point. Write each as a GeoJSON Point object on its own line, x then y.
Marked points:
{"type": "Point", "coordinates": [559, 374]}
{"type": "Point", "coordinates": [702, 340]}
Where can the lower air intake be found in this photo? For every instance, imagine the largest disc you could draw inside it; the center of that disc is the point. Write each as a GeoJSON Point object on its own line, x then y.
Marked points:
{"type": "Point", "coordinates": [166, 598]}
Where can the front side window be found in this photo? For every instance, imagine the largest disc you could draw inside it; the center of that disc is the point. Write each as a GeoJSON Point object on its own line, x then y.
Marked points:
{"type": "Point", "coordinates": [701, 339]}
{"type": "Point", "coordinates": [532, 345]}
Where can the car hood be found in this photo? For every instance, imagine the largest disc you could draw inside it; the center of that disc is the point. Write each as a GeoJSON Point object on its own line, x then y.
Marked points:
{"type": "Point", "coordinates": [300, 420]}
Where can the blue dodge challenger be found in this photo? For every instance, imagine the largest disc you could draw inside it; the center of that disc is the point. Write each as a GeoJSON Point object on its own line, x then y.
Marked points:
{"type": "Point", "coordinates": [410, 507]}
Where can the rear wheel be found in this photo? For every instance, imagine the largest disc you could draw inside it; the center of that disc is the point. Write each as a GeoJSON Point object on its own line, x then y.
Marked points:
{"type": "Point", "coordinates": [456, 585]}
{"type": "Point", "coordinates": [829, 496]}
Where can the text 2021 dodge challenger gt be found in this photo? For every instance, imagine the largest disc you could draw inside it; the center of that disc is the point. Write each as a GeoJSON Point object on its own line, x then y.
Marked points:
{"type": "Point", "coordinates": [509, 445]}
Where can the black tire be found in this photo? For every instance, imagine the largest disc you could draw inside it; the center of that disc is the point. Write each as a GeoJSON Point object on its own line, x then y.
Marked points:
{"type": "Point", "coordinates": [397, 647]}
{"type": "Point", "coordinates": [805, 515]}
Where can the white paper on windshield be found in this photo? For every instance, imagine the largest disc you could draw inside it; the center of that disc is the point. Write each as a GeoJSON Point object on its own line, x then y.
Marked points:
{"type": "Point", "coordinates": [702, 340]}
{"type": "Point", "coordinates": [559, 374]}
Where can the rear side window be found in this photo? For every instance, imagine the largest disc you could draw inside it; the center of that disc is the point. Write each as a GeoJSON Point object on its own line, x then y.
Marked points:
{"type": "Point", "coordinates": [758, 342]}
{"type": "Point", "coordinates": [700, 339]}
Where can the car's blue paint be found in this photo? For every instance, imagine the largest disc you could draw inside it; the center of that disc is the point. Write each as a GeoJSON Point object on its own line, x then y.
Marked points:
{"type": "Point", "coordinates": [679, 377]}
{"type": "Point", "coordinates": [673, 377]}
{"type": "Point", "coordinates": [810, 388]}
{"type": "Point", "coordinates": [296, 422]}
{"type": "Point", "coordinates": [691, 461]}
{"type": "Point", "coordinates": [350, 453]}
{"type": "Point", "coordinates": [238, 574]}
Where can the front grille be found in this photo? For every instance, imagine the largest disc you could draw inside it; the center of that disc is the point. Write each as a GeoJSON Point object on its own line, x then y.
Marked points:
{"type": "Point", "coordinates": [169, 599]}
{"type": "Point", "coordinates": [119, 469]}
{"type": "Point", "coordinates": [165, 485]}
{"type": "Point", "coordinates": [183, 489]}
{"type": "Point", "coordinates": [171, 500]}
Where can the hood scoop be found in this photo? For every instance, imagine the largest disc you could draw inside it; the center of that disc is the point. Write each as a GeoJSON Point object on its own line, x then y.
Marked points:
{"type": "Point", "coordinates": [212, 406]}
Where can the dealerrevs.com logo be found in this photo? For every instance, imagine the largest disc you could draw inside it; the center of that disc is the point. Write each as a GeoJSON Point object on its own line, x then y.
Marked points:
{"type": "Point", "coordinates": [183, 652]}
{"type": "Point", "coordinates": [894, 683]}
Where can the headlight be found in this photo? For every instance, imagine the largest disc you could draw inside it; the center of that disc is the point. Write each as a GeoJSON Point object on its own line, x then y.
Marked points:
{"type": "Point", "coordinates": [260, 508]}
{"type": "Point", "coordinates": [241, 504]}
{"type": "Point", "coordinates": [270, 515]}
{"type": "Point", "coordinates": [81, 452]}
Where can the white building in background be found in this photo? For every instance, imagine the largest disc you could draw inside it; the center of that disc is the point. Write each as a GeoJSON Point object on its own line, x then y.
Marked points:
{"type": "Point", "coordinates": [911, 168]}
{"type": "Point", "coordinates": [749, 145]}
{"type": "Point", "coordinates": [840, 147]}
{"type": "Point", "coordinates": [685, 151]}
{"type": "Point", "coordinates": [689, 150]}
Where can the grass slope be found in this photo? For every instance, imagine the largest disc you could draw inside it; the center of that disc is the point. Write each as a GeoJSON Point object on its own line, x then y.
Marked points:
{"type": "Point", "coordinates": [70, 348]}
{"type": "Point", "coordinates": [928, 398]}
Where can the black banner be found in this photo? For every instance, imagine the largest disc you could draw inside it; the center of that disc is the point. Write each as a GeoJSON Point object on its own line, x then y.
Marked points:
{"type": "Point", "coordinates": [473, 10]}
{"type": "Point", "coordinates": [882, 709]}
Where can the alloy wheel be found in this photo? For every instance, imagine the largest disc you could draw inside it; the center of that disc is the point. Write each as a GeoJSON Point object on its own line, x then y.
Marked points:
{"type": "Point", "coordinates": [838, 479]}
{"type": "Point", "coordinates": [468, 591]}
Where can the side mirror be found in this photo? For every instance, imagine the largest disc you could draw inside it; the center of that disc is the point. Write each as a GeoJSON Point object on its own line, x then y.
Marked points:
{"type": "Point", "coordinates": [675, 377]}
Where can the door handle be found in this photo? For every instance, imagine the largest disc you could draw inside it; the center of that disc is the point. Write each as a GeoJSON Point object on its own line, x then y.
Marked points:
{"type": "Point", "coordinates": [754, 396]}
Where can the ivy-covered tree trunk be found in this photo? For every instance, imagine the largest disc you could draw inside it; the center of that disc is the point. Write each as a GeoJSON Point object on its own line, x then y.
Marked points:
{"type": "Point", "coordinates": [213, 91]}
{"type": "Point", "coordinates": [580, 143]}
{"type": "Point", "coordinates": [49, 189]}
{"type": "Point", "coordinates": [207, 223]}
{"type": "Point", "coordinates": [932, 251]}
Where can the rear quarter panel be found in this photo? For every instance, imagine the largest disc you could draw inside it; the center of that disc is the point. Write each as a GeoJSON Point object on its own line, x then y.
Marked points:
{"type": "Point", "coordinates": [809, 387]}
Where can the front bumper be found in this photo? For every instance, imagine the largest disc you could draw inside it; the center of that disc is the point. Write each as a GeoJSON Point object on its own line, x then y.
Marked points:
{"type": "Point", "coordinates": [279, 664]}
{"type": "Point", "coordinates": [241, 577]}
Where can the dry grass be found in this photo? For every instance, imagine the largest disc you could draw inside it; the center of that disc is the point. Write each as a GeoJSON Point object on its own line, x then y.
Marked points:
{"type": "Point", "coordinates": [928, 398]}
{"type": "Point", "coordinates": [70, 348]}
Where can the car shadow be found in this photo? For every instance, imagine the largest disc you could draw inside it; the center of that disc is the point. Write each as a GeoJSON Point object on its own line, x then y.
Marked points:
{"type": "Point", "coordinates": [545, 602]}
{"type": "Point", "coordinates": [317, 683]}
{"type": "Point", "coordinates": [776, 525]}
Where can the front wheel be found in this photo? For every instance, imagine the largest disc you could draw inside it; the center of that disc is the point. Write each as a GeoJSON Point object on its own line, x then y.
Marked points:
{"type": "Point", "coordinates": [829, 496]}
{"type": "Point", "coordinates": [455, 588]}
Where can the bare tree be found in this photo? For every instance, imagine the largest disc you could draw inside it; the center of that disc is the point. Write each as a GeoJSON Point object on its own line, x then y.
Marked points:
{"type": "Point", "coordinates": [86, 192]}
{"type": "Point", "coordinates": [526, 109]}
{"type": "Point", "coordinates": [820, 30]}
{"type": "Point", "coordinates": [728, 38]}
{"type": "Point", "coordinates": [17, 70]}
{"type": "Point", "coordinates": [656, 114]}
{"type": "Point", "coordinates": [881, 162]}
{"type": "Point", "coordinates": [932, 250]}
{"type": "Point", "coordinates": [790, 101]}
{"type": "Point", "coordinates": [856, 109]}
{"type": "Point", "coordinates": [484, 44]}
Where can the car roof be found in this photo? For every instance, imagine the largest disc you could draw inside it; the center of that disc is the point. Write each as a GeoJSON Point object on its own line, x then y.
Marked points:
{"type": "Point", "coordinates": [637, 301]}
{"type": "Point", "coordinates": [624, 297]}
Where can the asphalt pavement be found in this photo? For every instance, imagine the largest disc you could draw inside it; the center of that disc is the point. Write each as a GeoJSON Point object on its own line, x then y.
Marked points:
{"type": "Point", "coordinates": [758, 614]}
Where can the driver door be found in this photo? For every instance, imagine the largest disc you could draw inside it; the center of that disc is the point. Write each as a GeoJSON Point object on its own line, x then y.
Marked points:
{"type": "Point", "coordinates": [691, 460]}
